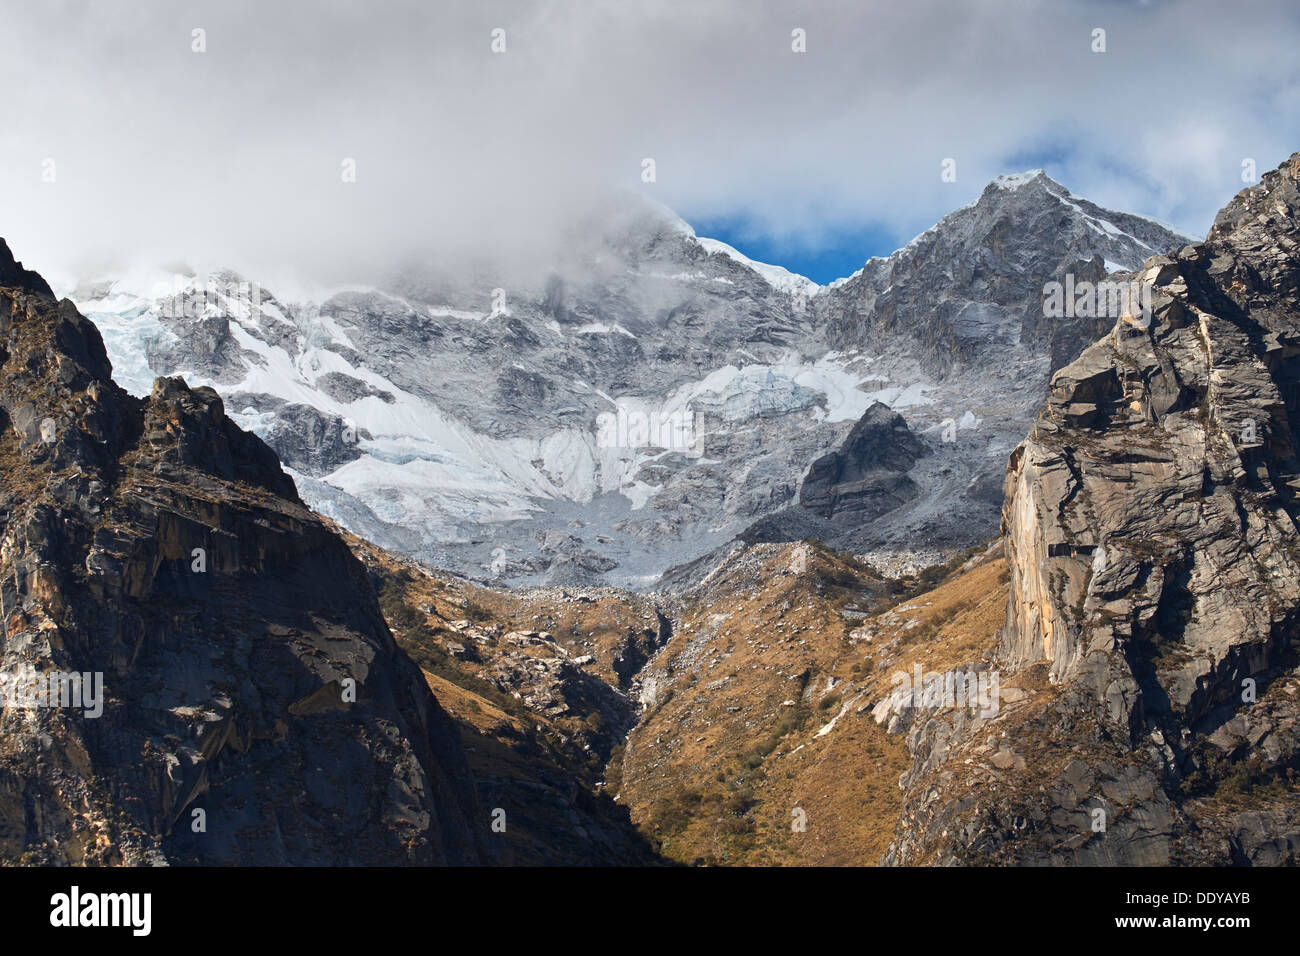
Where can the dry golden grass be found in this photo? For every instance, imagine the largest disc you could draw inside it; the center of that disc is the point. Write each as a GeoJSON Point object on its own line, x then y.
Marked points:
{"type": "Point", "coordinates": [720, 764]}
{"type": "Point", "coordinates": [954, 624]}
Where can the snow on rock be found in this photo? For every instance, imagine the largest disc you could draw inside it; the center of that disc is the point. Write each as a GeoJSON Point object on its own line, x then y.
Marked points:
{"type": "Point", "coordinates": [1014, 181]}
{"type": "Point", "coordinates": [783, 280]}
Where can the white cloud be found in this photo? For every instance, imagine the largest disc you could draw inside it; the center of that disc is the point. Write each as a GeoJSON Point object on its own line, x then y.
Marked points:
{"type": "Point", "coordinates": [234, 155]}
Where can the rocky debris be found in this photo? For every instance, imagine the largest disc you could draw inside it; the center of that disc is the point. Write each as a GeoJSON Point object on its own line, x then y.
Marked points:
{"type": "Point", "coordinates": [550, 679]}
{"type": "Point", "coordinates": [347, 389]}
{"type": "Point", "coordinates": [539, 720]}
{"type": "Point", "coordinates": [567, 560]}
{"type": "Point", "coordinates": [1150, 526]}
{"type": "Point", "coordinates": [247, 671]}
{"type": "Point", "coordinates": [557, 686]}
{"type": "Point", "coordinates": [898, 564]}
{"type": "Point", "coordinates": [638, 647]}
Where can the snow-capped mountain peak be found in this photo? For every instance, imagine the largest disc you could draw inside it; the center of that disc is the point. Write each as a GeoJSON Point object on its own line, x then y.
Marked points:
{"type": "Point", "coordinates": [653, 396]}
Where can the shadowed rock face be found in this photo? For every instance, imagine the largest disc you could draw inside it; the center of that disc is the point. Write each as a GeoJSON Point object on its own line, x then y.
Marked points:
{"type": "Point", "coordinates": [1150, 526]}
{"type": "Point", "coordinates": [867, 475]}
{"type": "Point", "coordinates": [154, 541]}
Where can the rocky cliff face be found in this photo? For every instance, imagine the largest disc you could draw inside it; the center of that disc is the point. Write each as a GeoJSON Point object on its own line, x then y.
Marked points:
{"type": "Point", "coordinates": [1150, 525]}
{"type": "Point", "coordinates": [865, 479]}
{"type": "Point", "coordinates": [255, 709]}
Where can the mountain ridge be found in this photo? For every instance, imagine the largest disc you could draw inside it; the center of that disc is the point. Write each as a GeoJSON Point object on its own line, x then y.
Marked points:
{"type": "Point", "coordinates": [1128, 636]}
{"type": "Point", "coordinates": [486, 466]}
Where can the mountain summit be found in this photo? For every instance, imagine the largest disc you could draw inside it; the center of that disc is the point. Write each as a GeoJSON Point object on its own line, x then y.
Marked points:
{"type": "Point", "coordinates": [1123, 648]}
{"type": "Point", "coordinates": [969, 288]}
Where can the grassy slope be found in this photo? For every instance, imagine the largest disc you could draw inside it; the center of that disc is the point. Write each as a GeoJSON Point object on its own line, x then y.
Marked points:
{"type": "Point", "coordinates": [758, 706]}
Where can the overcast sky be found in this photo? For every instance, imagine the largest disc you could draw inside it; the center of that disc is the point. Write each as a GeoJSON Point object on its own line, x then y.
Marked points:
{"type": "Point", "coordinates": [815, 160]}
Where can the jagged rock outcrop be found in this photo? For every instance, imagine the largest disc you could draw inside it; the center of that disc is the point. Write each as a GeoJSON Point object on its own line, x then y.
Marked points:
{"type": "Point", "coordinates": [1150, 527]}
{"type": "Point", "coordinates": [867, 475]}
{"type": "Point", "coordinates": [864, 480]}
{"type": "Point", "coordinates": [255, 708]}
{"type": "Point", "coordinates": [309, 441]}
